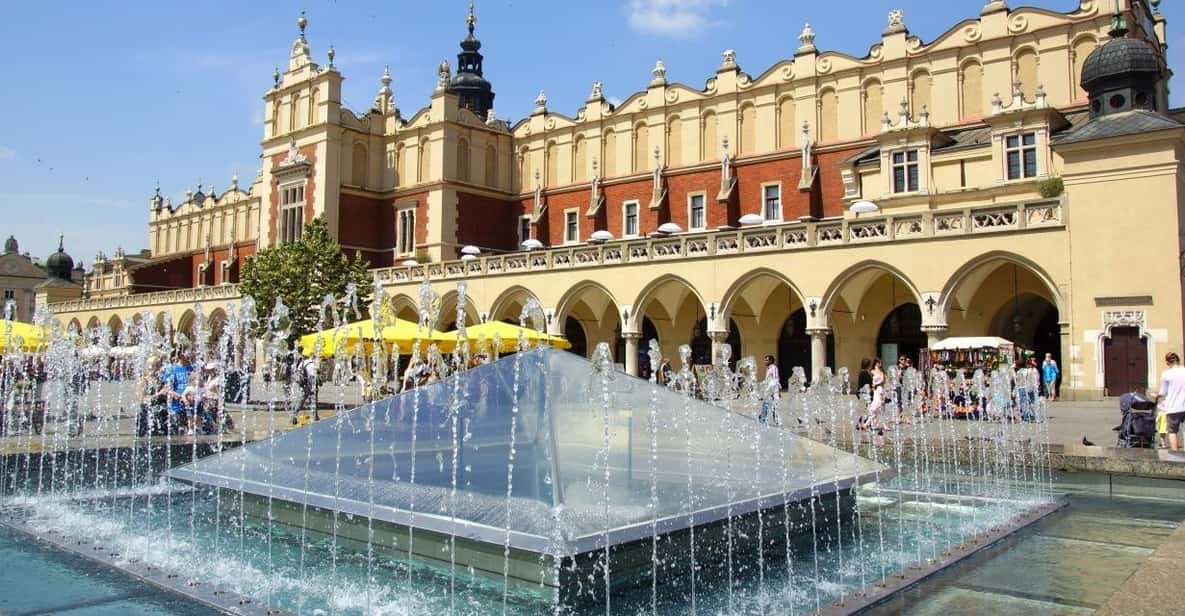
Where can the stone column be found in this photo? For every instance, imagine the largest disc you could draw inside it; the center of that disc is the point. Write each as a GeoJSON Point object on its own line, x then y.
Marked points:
{"type": "Point", "coordinates": [934, 334]}
{"type": "Point", "coordinates": [818, 351]}
{"type": "Point", "coordinates": [718, 340]}
{"type": "Point", "coordinates": [631, 352]}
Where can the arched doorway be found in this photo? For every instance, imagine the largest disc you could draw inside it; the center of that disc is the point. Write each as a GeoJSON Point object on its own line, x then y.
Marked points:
{"type": "Point", "coordinates": [1125, 361]}
{"type": "Point", "coordinates": [794, 347]}
{"type": "Point", "coordinates": [901, 335]}
{"type": "Point", "coordinates": [1030, 321]}
{"type": "Point", "coordinates": [574, 332]}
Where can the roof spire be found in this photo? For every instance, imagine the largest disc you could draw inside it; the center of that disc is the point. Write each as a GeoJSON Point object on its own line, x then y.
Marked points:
{"type": "Point", "coordinates": [61, 242]}
{"type": "Point", "coordinates": [472, 18]}
{"type": "Point", "coordinates": [302, 22]}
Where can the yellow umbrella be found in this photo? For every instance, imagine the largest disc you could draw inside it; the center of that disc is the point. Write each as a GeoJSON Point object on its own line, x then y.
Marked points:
{"type": "Point", "coordinates": [401, 335]}
{"type": "Point", "coordinates": [32, 337]}
{"type": "Point", "coordinates": [509, 335]}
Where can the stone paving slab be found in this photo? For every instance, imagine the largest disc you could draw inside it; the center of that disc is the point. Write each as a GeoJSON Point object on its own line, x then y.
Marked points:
{"type": "Point", "coordinates": [1154, 589]}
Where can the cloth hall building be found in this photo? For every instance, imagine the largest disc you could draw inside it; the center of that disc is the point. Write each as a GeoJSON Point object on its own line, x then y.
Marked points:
{"type": "Point", "coordinates": [1018, 176]}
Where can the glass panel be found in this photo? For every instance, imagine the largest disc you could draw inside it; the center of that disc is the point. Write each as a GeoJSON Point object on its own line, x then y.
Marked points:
{"type": "Point", "coordinates": [1011, 141]}
{"type": "Point", "coordinates": [1030, 156]}
{"type": "Point", "coordinates": [913, 177]}
{"type": "Point", "coordinates": [595, 459]}
{"type": "Point", "coordinates": [1013, 165]}
{"type": "Point", "coordinates": [912, 156]}
{"type": "Point", "coordinates": [1029, 138]}
{"type": "Point", "coordinates": [898, 179]}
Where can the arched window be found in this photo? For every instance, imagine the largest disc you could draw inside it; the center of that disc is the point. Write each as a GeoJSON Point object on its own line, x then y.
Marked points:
{"type": "Point", "coordinates": [1083, 47]}
{"type": "Point", "coordinates": [919, 87]}
{"type": "Point", "coordinates": [828, 116]}
{"type": "Point", "coordinates": [609, 168]}
{"type": "Point", "coordinates": [748, 130]}
{"type": "Point", "coordinates": [276, 118]}
{"type": "Point", "coordinates": [580, 159]}
{"type": "Point", "coordinates": [674, 153]}
{"type": "Point", "coordinates": [709, 146]}
{"type": "Point", "coordinates": [971, 90]}
{"type": "Point", "coordinates": [491, 166]}
{"type": "Point", "coordinates": [552, 153]}
{"type": "Point", "coordinates": [293, 107]}
{"type": "Point", "coordinates": [1025, 71]}
{"type": "Point", "coordinates": [525, 181]}
{"type": "Point", "coordinates": [313, 108]}
{"type": "Point", "coordinates": [358, 165]}
{"type": "Point", "coordinates": [425, 163]}
{"type": "Point", "coordinates": [641, 145]}
{"type": "Point", "coordinates": [786, 127]}
{"type": "Point", "coordinates": [402, 166]}
{"type": "Point", "coordinates": [874, 107]}
{"type": "Point", "coordinates": [463, 160]}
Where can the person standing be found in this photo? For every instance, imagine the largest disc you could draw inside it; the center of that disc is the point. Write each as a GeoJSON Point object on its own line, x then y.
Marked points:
{"type": "Point", "coordinates": [770, 388]}
{"type": "Point", "coordinates": [307, 380]}
{"type": "Point", "coordinates": [174, 379]}
{"type": "Point", "coordinates": [1050, 374]}
{"type": "Point", "coordinates": [865, 378]}
{"type": "Point", "coordinates": [1171, 397]}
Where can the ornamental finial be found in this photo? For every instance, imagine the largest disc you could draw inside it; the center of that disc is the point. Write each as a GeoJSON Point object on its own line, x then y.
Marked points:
{"type": "Point", "coordinates": [332, 54]}
{"type": "Point", "coordinates": [471, 20]}
{"type": "Point", "coordinates": [302, 22]}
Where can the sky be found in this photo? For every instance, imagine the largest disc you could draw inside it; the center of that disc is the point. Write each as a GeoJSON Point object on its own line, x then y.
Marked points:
{"type": "Point", "coordinates": [102, 100]}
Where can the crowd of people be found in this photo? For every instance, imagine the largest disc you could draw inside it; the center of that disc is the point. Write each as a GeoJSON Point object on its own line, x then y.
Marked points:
{"type": "Point", "coordinates": [182, 397]}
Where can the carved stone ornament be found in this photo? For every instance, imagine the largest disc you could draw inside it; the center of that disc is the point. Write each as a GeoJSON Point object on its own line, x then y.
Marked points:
{"type": "Point", "coordinates": [807, 38]}
{"type": "Point", "coordinates": [896, 22]}
{"type": "Point", "coordinates": [728, 60]}
{"type": "Point", "coordinates": [596, 93]}
{"type": "Point", "coordinates": [659, 73]}
{"type": "Point", "coordinates": [1124, 318]}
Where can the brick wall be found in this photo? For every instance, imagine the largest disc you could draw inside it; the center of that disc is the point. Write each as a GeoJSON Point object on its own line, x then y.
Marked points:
{"type": "Point", "coordinates": [310, 194]}
{"type": "Point", "coordinates": [488, 222]}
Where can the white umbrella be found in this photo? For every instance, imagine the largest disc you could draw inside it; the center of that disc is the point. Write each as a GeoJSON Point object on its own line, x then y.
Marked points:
{"type": "Point", "coordinates": [751, 219]}
{"type": "Point", "coordinates": [669, 227]}
{"type": "Point", "coordinates": [864, 207]}
{"type": "Point", "coordinates": [532, 244]}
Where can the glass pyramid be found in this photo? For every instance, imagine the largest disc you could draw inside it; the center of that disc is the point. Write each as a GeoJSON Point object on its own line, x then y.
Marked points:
{"type": "Point", "coordinates": [540, 450]}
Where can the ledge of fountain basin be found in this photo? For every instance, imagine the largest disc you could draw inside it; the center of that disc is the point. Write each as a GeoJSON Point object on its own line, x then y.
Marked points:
{"type": "Point", "coordinates": [1159, 464]}
{"type": "Point", "coordinates": [1154, 588]}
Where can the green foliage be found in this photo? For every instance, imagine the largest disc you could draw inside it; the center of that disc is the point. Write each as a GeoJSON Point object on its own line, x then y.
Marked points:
{"type": "Point", "coordinates": [302, 274]}
{"type": "Point", "coordinates": [1052, 187]}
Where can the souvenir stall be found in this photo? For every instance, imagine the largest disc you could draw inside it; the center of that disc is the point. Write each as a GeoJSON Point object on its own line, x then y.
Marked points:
{"type": "Point", "coordinates": [971, 353]}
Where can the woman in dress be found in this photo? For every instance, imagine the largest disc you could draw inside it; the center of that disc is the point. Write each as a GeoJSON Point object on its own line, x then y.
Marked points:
{"type": "Point", "coordinates": [877, 404]}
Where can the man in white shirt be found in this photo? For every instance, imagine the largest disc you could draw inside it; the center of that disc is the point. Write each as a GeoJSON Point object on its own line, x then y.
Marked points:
{"type": "Point", "coordinates": [1171, 397]}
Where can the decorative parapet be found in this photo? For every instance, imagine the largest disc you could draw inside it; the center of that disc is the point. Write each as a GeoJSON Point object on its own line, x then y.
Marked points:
{"type": "Point", "coordinates": [920, 226]}
{"type": "Point", "coordinates": [1018, 102]}
{"type": "Point", "coordinates": [159, 298]}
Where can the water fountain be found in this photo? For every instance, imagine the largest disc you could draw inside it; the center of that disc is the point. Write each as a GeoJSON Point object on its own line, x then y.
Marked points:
{"type": "Point", "coordinates": [537, 482]}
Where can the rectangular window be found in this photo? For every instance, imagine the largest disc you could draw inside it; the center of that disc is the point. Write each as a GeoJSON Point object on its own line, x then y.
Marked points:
{"type": "Point", "coordinates": [291, 213]}
{"type": "Point", "coordinates": [1020, 151]}
{"type": "Point", "coordinates": [524, 229]}
{"type": "Point", "coordinates": [629, 217]}
{"type": "Point", "coordinates": [405, 240]}
{"type": "Point", "coordinates": [696, 218]}
{"type": "Point", "coordinates": [571, 226]}
{"type": "Point", "coordinates": [905, 171]}
{"type": "Point", "coordinates": [773, 203]}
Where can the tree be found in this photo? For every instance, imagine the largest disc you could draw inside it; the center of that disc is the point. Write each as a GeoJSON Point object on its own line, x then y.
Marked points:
{"type": "Point", "coordinates": [301, 274]}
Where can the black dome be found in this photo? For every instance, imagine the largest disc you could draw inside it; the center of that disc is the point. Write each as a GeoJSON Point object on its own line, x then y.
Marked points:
{"type": "Point", "coordinates": [59, 264]}
{"type": "Point", "coordinates": [1121, 57]}
{"type": "Point", "coordinates": [470, 43]}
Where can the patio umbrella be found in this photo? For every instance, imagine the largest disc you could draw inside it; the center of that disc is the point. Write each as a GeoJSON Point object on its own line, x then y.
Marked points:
{"type": "Point", "coordinates": [400, 335]}
{"type": "Point", "coordinates": [509, 335]}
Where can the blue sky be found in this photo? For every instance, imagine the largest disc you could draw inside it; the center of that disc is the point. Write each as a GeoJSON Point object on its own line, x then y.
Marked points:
{"type": "Point", "coordinates": [101, 100]}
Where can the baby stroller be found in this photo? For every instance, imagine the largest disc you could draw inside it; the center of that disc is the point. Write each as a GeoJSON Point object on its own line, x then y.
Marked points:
{"type": "Point", "coordinates": [1138, 428]}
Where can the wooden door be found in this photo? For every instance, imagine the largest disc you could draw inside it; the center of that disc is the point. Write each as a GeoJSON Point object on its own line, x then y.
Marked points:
{"type": "Point", "coordinates": [1125, 362]}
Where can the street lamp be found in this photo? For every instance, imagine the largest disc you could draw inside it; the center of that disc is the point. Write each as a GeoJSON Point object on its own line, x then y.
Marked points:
{"type": "Point", "coordinates": [600, 237]}
{"type": "Point", "coordinates": [669, 228]}
{"type": "Point", "coordinates": [471, 250]}
{"type": "Point", "coordinates": [532, 244]}
{"type": "Point", "coordinates": [749, 220]}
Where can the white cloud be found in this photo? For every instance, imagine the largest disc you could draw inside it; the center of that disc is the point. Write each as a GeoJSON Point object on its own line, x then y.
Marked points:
{"type": "Point", "coordinates": [675, 18]}
{"type": "Point", "coordinates": [7, 153]}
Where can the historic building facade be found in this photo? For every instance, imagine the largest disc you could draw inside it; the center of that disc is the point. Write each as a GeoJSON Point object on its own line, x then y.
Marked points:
{"type": "Point", "coordinates": [1017, 176]}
